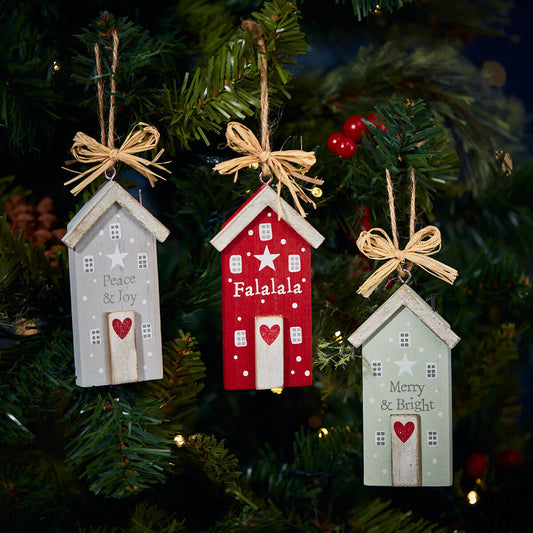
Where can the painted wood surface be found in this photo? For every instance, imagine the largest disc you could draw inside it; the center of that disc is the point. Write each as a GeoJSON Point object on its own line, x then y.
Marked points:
{"type": "Point", "coordinates": [406, 370]}
{"type": "Point", "coordinates": [122, 350]}
{"type": "Point", "coordinates": [266, 271]}
{"type": "Point", "coordinates": [405, 450]}
{"type": "Point", "coordinates": [269, 352]}
{"type": "Point", "coordinates": [113, 268]}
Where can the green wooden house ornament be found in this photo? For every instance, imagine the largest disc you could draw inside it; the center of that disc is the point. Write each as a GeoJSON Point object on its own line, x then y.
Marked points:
{"type": "Point", "coordinates": [407, 401]}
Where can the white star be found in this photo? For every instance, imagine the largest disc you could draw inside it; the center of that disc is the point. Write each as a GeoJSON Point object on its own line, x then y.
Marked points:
{"type": "Point", "coordinates": [405, 365]}
{"type": "Point", "coordinates": [117, 258]}
{"type": "Point", "coordinates": [267, 259]}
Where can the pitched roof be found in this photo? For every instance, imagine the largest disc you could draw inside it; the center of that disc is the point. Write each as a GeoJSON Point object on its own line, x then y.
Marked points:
{"type": "Point", "coordinates": [404, 297]}
{"type": "Point", "coordinates": [262, 198]}
{"type": "Point", "coordinates": [97, 206]}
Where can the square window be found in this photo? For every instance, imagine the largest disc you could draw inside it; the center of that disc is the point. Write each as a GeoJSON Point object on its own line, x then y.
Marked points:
{"type": "Point", "coordinates": [96, 337]}
{"type": "Point", "coordinates": [432, 438]}
{"type": "Point", "coordinates": [240, 337]}
{"type": "Point", "coordinates": [377, 369]}
{"type": "Point", "coordinates": [431, 370]}
{"type": "Point", "coordinates": [146, 329]}
{"type": "Point", "coordinates": [294, 263]}
{"type": "Point", "coordinates": [296, 335]}
{"type": "Point", "coordinates": [380, 438]}
{"type": "Point", "coordinates": [142, 261]}
{"type": "Point", "coordinates": [114, 231]}
{"type": "Point", "coordinates": [265, 231]}
{"type": "Point", "coordinates": [405, 339]}
{"type": "Point", "coordinates": [235, 264]}
{"type": "Point", "coordinates": [88, 263]}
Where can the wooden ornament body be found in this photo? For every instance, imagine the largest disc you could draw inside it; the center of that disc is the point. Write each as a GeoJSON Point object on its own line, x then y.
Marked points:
{"type": "Point", "coordinates": [266, 295]}
{"type": "Point", "coordinates": [407, 381]}
{"type": "Point", "coordinates": [115, 290]}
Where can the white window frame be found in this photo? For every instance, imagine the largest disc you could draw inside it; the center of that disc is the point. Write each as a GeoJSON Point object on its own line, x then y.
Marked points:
{"type": "Point", "coordinates": [235, 264]}
{"type": "Point", "coordinates": [88, 264]}
{"type": "Point", "coordinates": [96, 336]}
{"type": "Point", "coordinates": [142, 261]}
{"type": "Point", "coordinates": [377, 369]}
{"type": "Point", "coordinates": [432, 438]}
{"type": "Point", "coordinates": [431, 370]}
{"type": "Point", "coordinates": [115, 232]}
{"type": "Point", "coordinates": [240, 338]}
{"type": "Point", "coordinates": [380, 438]}
{"type": "Point", "coordinates": [404, 339]}
{"type": "Point", "coordinates": [265, 231]}
{"type": "Point", "coordinates": [296, 335]}
{"type": "Point", "coordinates": [146, 330]}
{"type": "Point", "coordinates": [295, 264]}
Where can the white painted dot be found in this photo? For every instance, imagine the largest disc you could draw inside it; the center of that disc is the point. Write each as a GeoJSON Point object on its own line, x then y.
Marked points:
{"type": "Point", "coordinates": [292, 372]}
{"type": "Point", "coordinates": [298, 358]}
{"type": "Point", "coordinates": [229, 280]}
{"type": "Point", "coordinates": [388, 359]}
{"type": "Point", "coordinates": [101, 232]}
{"type": "Point", "coordinates": [269, 214]}
{"type": "Point", "coordinates": [148, 243]}
{"type": "Point", "coordinates": [94, 317]}
{"type": "Point", "coordinates": [91, 355]}
{"type": "Point", "coordinates": [375, 456]}
{"type": "Point", "coordinates": [382, 385]}
{"type": "Point", "coordinates": [391, 339]}
{"type": "Point", "coordinates": [149, 354]}
{"type": "Point", "coordinates": [434, 460]}
{"type": "Point", "coordinates": [145, 302]}
{"type": "Point", "coordinates": [100, 253]}
{"type": "Point", "coordinates": [371, 400]}
{"type": "Point", "coordinates": [307, 373]}
{"type": "Point", "coordinates": [132, 240]}
{"type": "Point", "coordinates": [379, 419]}
{"type": "Point", "coordinates": [384, 471]}
{"type": "Point", "coordinates": [235, 357]}
{"type": "Point", "coordinates": [84, 298]}
{"type": "Point", "coordinates": [100, 370]}
{"type": "Point", "coordinates": [294, 305]}
{"type": "Point", "coordinates": [408, 323]}
{"type": "Point", "coordinates": [429, 473]}
{"type": "Point", "coordinates": [118, 215]}
{"type": "Point", "coordinates": [147, 282]}
{"type": "Point", "coordinates": [421, 349]}
{"type": "Point", "coordinates": [245, 373]}
{"type": "Point", "coordinates": [303, 280]}
{"type": "Point", "coordinates": [248, 254]}
{"type": "Point", "coordinates": [436, 391]}
{"type": "Point", "coordinates": [303, 249]}
{"type": "Point", "coordinates": [439, 356]}
{"type": "Point", "coordinates": [239, 318]}
{"type": "Point", "coordinates": [144, 367]}
{"type": "Point", "coordinates": [441, 414]}
{"type": "Point", "coordinates": [262, 300]}
{"type": "Point", "coordinates": [250, 232]}
{"type": "Point", "coordinates": [283, 241]}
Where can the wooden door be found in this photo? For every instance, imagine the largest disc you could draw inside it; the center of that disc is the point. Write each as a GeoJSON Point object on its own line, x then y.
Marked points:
{"type": "Point", "coordinates": [405, 450]}
{"type": "Point", "coordinates": [268, 352]}
{"type": "Point", "coordinates": [122, 348]}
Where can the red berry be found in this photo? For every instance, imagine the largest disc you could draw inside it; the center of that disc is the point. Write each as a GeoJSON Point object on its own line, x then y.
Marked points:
{"type": "Point", "coordinates": [509, 459]}
{"type": "Point", "coordinates": [374, 118]}
{"type": "Point", "coordinates": [476, 465]}
{"type": "Point", "coordinates": [354, 128]}
{"type": "Point", "coordinates": [333, 140]}
{"type": "Point", "coordinates": [346, 148]}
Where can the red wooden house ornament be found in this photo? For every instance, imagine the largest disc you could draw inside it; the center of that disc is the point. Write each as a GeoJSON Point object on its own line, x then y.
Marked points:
{"type": "Point", "coordinates": [266, 294]}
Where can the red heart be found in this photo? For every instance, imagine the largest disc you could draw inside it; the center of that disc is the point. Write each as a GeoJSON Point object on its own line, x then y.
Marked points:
{"type": "Point", "coordinates": [404, 431]}
{"type": "Point", "coordinates": [269, 334]}
{"type": "Point", "coordinates": [122, 327]}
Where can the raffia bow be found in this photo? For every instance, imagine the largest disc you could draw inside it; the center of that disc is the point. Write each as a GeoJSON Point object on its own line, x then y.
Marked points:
{"type": "Point", "coordinates": [102, 158]}
{"type": "Point", "coordinates": [376, 244]}
{"type": "Point", "coordinates": [280, 163]}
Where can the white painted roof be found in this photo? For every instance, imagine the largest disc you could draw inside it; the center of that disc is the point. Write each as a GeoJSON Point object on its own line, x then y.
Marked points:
{"type": "Point", "coordinates": [404, 297]}
{"type": "Point", "coordinates": [265, 197]}
{"type": "Point", "coordinates": [98, 205]}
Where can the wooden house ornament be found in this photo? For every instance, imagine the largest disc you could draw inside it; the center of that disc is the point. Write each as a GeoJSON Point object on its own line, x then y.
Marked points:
{"type": "Point", "coordinates": [407, 411]}
{"type": "Point", "coordinates": [115, 289]}
{"type": "Point", "coordinates": [266, 294]}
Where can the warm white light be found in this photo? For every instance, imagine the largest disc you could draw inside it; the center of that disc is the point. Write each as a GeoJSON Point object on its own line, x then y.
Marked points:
{"type": "Point", "coordinates": [323, 432]}
{"type": "Point", "coordinates": [57, 66]}
{"type": "Point", "coordinates": [279, 390]}
{"type": "Point", "coordinates": [179, 440]}
{"type": "Point", "coordinates": [472, 497]}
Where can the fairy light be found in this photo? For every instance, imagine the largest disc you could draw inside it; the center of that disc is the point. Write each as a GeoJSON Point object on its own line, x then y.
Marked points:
{"type": "Point", "coordinates": [322, 432]}
{"type": "Point", "coordinates": [316, 192]}
{"type": "Point", "coordinates": [179, 440]}
{"type": "Point", "coordinates": [472, 497]}
{"type": "Point", "coordinates": [278, 390]}
{"type": "Point", "coordinates": [57, 66]}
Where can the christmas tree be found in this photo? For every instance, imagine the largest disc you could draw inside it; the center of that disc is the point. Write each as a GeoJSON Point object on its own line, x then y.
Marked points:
{"type": "Point", "coordinates": [407, 82]}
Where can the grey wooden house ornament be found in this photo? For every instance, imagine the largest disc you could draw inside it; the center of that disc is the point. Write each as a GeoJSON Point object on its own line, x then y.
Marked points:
{"type": "Point", "coordinates": [407, 401]}
{"type": "Point", "coordinates": [115, 289]}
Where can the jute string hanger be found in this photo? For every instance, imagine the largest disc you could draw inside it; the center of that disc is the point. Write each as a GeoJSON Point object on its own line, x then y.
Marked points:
{"type": "Point", "coordinates": [376, 244]}
{"type": "Point", "coordinates": [103, 156]}
{"type": "Point", "coordinates": [285, 165]}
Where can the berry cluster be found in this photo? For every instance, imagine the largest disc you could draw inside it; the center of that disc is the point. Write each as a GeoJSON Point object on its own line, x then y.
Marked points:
{"type": "Point", "coordinates": [345, 144]}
